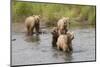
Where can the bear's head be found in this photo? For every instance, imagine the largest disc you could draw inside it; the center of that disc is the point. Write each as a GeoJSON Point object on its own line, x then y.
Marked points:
{"type": "Point", "coordinates": [37, 18]}
{"type": "Point", "coordinates": [55, 32]}
{"type": "Point", "coordinates": [66, 21]}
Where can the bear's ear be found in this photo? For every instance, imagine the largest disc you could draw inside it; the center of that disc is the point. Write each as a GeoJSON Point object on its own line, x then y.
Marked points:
{"type": "Point", "coordinates": [39, 16]}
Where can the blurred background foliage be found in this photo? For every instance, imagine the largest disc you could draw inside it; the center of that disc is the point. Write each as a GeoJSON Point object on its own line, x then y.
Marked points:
{"type": "Point", "coordinates": [51, 13]}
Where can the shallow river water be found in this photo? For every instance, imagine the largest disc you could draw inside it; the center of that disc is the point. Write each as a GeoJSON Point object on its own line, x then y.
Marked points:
{"type": "Point", "coordinates": [39, 50]}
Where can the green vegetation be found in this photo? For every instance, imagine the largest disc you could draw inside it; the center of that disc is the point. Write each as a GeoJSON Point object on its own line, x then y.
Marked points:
{"type": "Point", "coordinates": [51, 13]}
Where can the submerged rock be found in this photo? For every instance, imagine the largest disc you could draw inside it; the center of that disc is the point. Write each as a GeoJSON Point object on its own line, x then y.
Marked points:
{"type": "Point", "coordinates": [13, 39]}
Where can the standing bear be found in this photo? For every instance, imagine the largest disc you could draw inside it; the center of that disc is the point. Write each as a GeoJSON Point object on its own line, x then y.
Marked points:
{"type": "Point", "coordinates": [54, 36]}
{"type": "Point", "coordinates": [31, 23]}
{"type": "Point", "coordinates": [62, 25]}
{"type": "Point", "coordinates": [64, 42]}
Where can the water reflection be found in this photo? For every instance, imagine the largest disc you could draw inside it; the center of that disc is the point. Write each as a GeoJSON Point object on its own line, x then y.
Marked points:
{"type": "Point", "coordinates": [34, 38]}
{"type": "Point", "coordinates": [62, 55]}
{"type": "Point", "coordinates": [39, 47]}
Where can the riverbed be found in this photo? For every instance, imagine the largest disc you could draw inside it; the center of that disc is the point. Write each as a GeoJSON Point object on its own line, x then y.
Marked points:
{"type": "Point", "coordinates": [38, 49]}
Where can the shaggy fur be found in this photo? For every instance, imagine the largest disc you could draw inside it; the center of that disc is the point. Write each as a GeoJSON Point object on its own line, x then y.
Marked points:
{"type": "Point", "coordinates": [54, 36]}
{"type": "Point", "coordinates": [62, 25]}
{"type": "Point", "coordinates": [31, 23]}
{"type": "Point", "coordinates": [64, 41]}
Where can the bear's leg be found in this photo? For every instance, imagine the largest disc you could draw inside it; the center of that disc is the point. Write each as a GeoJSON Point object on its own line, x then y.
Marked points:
{"type": "Point", "coordinates": [37, 28]}
{"type": "Point", "coordinates": [66, 48]}
{"type": "Point", "coordinates": [31, 30]}
{"type": "Point", "coordinates": [54, 40]}
{"type": "Point", "coordinates": [70, 47]}
{"type": "Point", "coordinates": [28, 30]}
{"type": "Point", "coordinates": [58, 47]}
{"type": "Point", "coordinates": [54, 43]}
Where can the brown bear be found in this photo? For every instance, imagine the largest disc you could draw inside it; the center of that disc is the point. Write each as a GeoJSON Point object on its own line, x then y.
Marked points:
{"type": "Point", "coordinates": [62, 25]}
{"type": "Point", "coordinates": [70, 36]}
{"type": "Point", "coordinates": [54, 36]}
{"type": "Point", "coordinates": [31, 23]}
{"type": "Point", "coordinates": [64, 42]}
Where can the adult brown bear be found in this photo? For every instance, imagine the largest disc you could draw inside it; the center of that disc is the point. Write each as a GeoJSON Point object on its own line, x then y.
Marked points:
{"type": "Point", "coordinates": [31, 23]}
{"type": "Point", "coordinates": [62, 25]}
{"type": "Point", "coordinates": [64, 41]}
